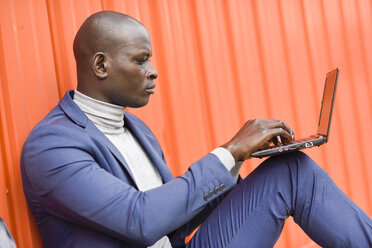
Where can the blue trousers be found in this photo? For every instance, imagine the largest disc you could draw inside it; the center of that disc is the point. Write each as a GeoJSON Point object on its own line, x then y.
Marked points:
{"type": "Point", "coordinates": [253, 214]}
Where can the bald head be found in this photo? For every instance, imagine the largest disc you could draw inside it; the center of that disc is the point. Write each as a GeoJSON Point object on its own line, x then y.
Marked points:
{"type": "Point", "coordinates": [112, 52]}
{"type": "Point", "coordinates": [100, 32]}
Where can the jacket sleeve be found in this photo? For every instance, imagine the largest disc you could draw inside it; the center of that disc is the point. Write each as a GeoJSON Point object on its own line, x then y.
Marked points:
{"type": "Point", "coordinates": [58, 165]}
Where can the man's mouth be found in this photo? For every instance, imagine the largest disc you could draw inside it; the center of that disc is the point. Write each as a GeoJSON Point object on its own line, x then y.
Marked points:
{"type": "Point", "coordinates": [150, 89]}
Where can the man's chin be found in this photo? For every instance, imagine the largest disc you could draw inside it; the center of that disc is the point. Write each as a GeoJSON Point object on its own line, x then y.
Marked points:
{"type": "Point", "coordinates": [139, 104]}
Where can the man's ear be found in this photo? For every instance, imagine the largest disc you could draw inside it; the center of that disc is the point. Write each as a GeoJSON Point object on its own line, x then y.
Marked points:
{"type": "Point", "coordinates": [99, 65]}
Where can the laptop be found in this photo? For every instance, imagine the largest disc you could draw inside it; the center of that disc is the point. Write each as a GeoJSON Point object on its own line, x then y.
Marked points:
{"type": "Point", "coordinates": [324, 123]}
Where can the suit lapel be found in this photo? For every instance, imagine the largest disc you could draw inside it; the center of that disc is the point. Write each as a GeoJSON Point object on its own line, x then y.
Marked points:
{"type": "Point", "coordinates": [93, 130]}
{"type": "Point", "coordinates": [74, 112]}
{"type": "Point", "coordinates": [144, 139]}
{"type": "Point", "coordinates": [78, 116]}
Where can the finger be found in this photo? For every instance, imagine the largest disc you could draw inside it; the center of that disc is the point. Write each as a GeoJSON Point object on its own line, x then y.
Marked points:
{"type": "Point", "coordinates": [285, 137]}
{"type": "Point", "coordinates": [287, 141]}
{"type": "Point", "coordinates": [293, 135]}
{"type": "Point", "coordinates": [289, 129]}
{"type": "Point", "coordinates": [279, 140]}
{"type": "Point", "coordinates": [282, 124]}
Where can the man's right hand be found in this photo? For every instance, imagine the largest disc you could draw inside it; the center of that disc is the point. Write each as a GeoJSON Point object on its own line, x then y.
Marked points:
{"type": "Point", "coordinates": [257, 135]}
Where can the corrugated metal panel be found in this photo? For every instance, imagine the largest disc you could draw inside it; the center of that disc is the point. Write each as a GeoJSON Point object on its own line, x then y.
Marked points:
{"type": "Point", "coordinates": [220, 62]}
{"type": "Point", "coordinates": [28, 91]}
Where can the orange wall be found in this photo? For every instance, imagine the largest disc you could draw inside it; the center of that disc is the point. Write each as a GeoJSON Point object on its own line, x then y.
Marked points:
{"type": "Point", "coordinates": [220, 62]}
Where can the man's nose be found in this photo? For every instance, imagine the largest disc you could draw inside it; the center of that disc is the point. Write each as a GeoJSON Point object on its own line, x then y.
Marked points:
{"type": "Point", "coordinates": [152, 73]}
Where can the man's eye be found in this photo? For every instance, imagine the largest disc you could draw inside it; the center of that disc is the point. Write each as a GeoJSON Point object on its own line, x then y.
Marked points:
{"type": "Point", "coordinates": [141, 61]}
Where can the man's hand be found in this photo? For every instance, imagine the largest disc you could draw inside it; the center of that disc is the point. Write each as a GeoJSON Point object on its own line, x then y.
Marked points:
{"type": "Point", "coordinates": [257, 135]}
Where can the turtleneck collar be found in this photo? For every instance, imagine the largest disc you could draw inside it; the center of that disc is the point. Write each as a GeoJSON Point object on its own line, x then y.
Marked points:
{"type": "Point", "coordinates": [108, 118]}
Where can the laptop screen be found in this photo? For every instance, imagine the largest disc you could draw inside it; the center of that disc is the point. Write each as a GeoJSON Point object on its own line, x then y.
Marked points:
{"type": "Point", "coordinates": [327, 103]}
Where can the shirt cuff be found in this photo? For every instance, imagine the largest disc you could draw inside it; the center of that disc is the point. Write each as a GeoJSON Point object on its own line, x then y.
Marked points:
{"type": "Point", "coordinates": [225, 157]}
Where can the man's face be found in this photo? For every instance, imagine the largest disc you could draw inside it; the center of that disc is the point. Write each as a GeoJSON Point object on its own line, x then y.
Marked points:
{"type": "Point", "coordinates": [130, 74]}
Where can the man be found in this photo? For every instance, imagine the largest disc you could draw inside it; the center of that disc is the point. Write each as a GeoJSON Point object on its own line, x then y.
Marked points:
{"type": "Point", "coordinates": [96, 177]}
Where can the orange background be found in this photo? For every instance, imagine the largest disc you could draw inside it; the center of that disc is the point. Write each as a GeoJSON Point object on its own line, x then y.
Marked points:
{"type": "Point", "coordinates": [220, 63]}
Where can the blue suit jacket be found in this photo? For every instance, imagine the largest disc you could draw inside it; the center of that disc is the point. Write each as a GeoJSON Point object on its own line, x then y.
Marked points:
{"type": "Point", "coordinates": [82, 193]}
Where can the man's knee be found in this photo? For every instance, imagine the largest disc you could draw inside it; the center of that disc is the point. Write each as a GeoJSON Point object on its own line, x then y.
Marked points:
{"type": "Point", "coordinates": [291, 156]}
{"type": "Point", "coordinates": [294, 163]}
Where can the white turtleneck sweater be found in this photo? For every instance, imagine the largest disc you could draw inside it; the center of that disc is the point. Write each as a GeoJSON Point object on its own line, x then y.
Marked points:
{"type": "Point", "coordinates": [109, 119]}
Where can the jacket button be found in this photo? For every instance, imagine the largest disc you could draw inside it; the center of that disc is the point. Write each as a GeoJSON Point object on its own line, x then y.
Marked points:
{"type": "Point", "coordinates": [211, 192]}
{"type": "Point", "coordinates": [206, 197]}
{"type": "Point", "coordinates": [222, 186]}
{"type": "Point", "coordinates": [216, 190]}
